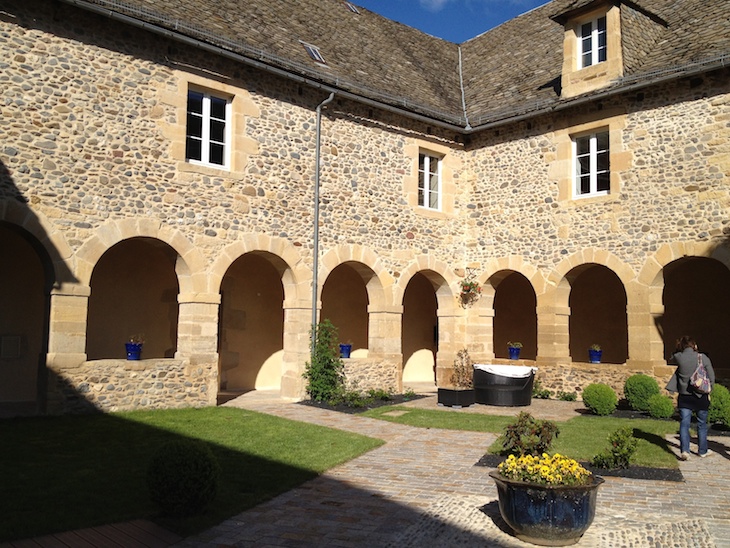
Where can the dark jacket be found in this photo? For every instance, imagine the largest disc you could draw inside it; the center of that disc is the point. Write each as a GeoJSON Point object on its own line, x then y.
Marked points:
{"type": "Point", "coordinates": [686, 364]}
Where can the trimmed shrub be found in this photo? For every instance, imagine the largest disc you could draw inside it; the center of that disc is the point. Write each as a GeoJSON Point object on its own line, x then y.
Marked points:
{"type": "Point", "coordinates": [660, 406]}
{"type": "Point", "coordinates": [719, 411]}
{"type": "Point", "coordinates": [528, 436]}
{"type": "Point", "coordinates": [600, 399]}
{"type": "Point", "coordinates": [622, 448]}
{"type": "Point", "coordinates": [638, 389]}
{"type": "Point", "coordinates": [182, 478]}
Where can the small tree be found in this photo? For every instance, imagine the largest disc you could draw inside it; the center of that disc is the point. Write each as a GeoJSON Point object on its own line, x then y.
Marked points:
{"type": "Point", "coordinates": [326, 371]}
{"type": "Point", "coordinates": [463, 375]}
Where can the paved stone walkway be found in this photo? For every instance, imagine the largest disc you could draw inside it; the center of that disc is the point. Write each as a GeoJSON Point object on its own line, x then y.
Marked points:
{"type": "Point", "coordinates": [421, 489]}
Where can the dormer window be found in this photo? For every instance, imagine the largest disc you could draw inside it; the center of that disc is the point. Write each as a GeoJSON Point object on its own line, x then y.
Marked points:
{"type": "Point", "coordinates": [592, 39]}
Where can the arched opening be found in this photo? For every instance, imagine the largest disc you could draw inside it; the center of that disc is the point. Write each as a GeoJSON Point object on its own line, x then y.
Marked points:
{"type": "Point", "coordinates": [345, 304]}
{"type": "Point", "coordinates": [25, 282]}
{"type": "Point", "coordinates": [134, 291]}
{"type": "Point", "coordinates": [251, 327]}
{"type": "Point", "coordinates": [697, 303]}
{"type": "Point", "coordinates": [419, 336]}
{"type": "Point", "coordinates": [597, 314]}
{"type": "Point", "coordinates": [515, 316]}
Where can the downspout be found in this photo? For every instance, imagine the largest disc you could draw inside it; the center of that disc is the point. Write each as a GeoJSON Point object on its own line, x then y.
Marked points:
{"type": "Point", "coordinates": [315, 264]}
{"type": "Point", "coordinates": [463, 93]}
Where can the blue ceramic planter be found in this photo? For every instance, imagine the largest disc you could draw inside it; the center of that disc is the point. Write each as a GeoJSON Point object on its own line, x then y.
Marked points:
{"type": "Point", "coordinates": [514, 353]}
{"type": "Point", "coordinates": [547, 515]}
{"type": "Point", "coordinates": [134, 350]}
{"type": "Point", "coordinates": [595, 356]}
{"type": "Point", "coordinates": [345, 350]}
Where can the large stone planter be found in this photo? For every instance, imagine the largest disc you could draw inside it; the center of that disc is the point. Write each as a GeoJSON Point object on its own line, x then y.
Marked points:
{"type": "Point", "coordinates": [547, 515]}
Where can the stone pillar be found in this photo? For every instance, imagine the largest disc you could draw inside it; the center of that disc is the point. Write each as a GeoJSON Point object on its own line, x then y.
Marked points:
{"type": "Point", "coordinates": [297, 337]}
{"type": "Point", "coordinates": [384, 337]}
{"type": "Point", "coordinates": [197, 336]}
{"type": "Point", "coordinates": [66, 346]}
{"type": "Point", "coordinates": [452, 338]}
{"type": "Point", "coordinates": [644, 311]}
{"type": "Point", "coordinates": [67, 325]}
{"type": "Point", "coordinates": [553, 329]}
{"type": "Point", "coordinates": [480, 328]}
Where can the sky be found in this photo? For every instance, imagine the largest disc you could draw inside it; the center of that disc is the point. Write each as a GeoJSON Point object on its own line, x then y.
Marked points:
{"type": "Point", "coordinates": [453, 20]}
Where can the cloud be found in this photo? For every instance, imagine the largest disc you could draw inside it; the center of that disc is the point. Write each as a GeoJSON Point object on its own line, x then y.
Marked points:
{"type": "Point", "coordinates": [433, 5]}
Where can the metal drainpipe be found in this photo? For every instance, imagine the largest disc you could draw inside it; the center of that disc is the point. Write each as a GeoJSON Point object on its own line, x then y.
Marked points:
{"type": "Point", "coordinates": [315, 265]}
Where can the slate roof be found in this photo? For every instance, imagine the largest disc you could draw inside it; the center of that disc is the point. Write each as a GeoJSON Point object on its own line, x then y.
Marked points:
{"type": "Point", "coordinates": [510, 70]}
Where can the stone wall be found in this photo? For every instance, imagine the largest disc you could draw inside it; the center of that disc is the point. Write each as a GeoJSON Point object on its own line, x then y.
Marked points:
{"type": "Point", "coordinates": [122, 385]}
{"type": "Point", "coordinates": [371, 374]}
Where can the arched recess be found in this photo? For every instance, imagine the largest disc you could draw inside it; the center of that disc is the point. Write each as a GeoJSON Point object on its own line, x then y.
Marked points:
{"type": "Point", "coordinates": [26, 279]}
{"type": "Point", "coordinates": [597, 313]}
{"type": "Point", "coordinates": [696, 300]}
{"type": "Point", "coordinates": [189, 261]}
{"type": "Point", "coordinates": [419, 334]}
{"type": "Point", "coordinates": [251, 325]}
{"type": "Point", "coordinates": [345, 301]}
{"type": "Point", "coordinates": [134, 289]}
{"type": "Point", "coordinates": [515, 314]}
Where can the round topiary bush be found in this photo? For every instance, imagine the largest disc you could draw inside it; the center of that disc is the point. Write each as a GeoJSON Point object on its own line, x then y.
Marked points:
{"type": "Point", "coordinates": [600, 398]}
{"type": "Point", "coordinates": [638, 389]}
{"type": "Point", "coordinates": [660, 406]}
{"type": "Point", "coordinates": [182, 478]}
{"type": "Point", "coordinates": [719, 411]}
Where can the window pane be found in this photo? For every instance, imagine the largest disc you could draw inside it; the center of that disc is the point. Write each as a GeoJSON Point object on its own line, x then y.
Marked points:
{"type": "Point", "coordinates": [584, 165]}
{"type": "Point", "coordinates": [601, 23]}
{"type": "Point", "coordinates": [602, 141]}
{"type": "Point", "coordinates": [421, 201]}
{"type": "Point", "coordinates": [192, 149]}
{"type": "Point", "coordinates": [217, 108]}
{"type": "Point", "coordinates": [434, 186]}
{"type": "Point", "coordinates": [433, 165]}
{"type": "Point", "coordinates": [195, 125]}
{"type": "Point", "coordinates": [603, 182]}
{"type": "Point", "coordinates": [585, 184]}
{"type": "Point", "coordinates": [217, 131]}
{"type": "Point", "coordinates": [421, 161]}
{"type": "Point", "coordinates": [216, 154]}
{"type": "Point", "coordinates": [583, 146]}
{"type": "Point", "coordinates": [195, 102]}
{"type": "Point", "coordinates": [602, 162]}
{"type": "Point", "coordinates": [434, 202]}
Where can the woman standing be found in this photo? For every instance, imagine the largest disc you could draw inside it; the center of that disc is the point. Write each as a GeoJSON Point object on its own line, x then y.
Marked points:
{"type": "Point", "coordinates": [690, 401]}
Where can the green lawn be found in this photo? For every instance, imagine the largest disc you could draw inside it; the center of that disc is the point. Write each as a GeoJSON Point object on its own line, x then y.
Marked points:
{"type": "Point", "coordinates": [63, 473]}
{"type": "Point", "coordinates": [580, 437]}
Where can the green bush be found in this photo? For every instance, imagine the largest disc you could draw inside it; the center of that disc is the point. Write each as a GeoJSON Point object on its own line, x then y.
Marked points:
{"type": "Point", "coordinates": [528, 436]}
{"type": "Point", "coordinates": [326, 372]}
{"type": "Point", "coordinates": [182, 478]}
{"type": "Point", "coordinates": [660, 406]}
{"type": "Point", "coordinates": [538, 392]}
{"type": "Point", "coordinates": [638, 389]}
{"type": "Point", "coordinates": [719, 411]}
{"type": "Point", "coordinates": [567, 396]}
{"type": "Point", "coordinates": [600, 399]}
{"type": "Point", "coordinates": [623, 445]}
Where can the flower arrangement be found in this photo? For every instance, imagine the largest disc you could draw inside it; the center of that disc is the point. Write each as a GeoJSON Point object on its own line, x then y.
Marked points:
{"type": "Point", "coordinates": [595, 347]}
{"type": "Point", "coordinates": [470, 290]}
{"type": "Point", "coordinates": [516, 344]}
{"type": "Point", "coordinates": [545, 470]}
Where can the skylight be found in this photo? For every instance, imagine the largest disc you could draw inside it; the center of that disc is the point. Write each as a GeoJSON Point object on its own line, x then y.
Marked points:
{"type": "Point", "coordinates": [352, 7]}
{"type": "Point", "coordinates": [314, 53]}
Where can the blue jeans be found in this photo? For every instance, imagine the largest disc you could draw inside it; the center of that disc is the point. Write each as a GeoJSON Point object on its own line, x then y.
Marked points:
{"type": "Point", "coordinates": [685, 419]}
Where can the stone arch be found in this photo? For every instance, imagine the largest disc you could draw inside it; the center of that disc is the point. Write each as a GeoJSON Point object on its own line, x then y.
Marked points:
{"type": "Point", "coordinates": [440, 276]}
{"type": "Point", "coordinates": [46, 235]}
{"type": "Point", "coordinates": [652, 273]}
{"type": "Point", "coordinates": [283, 256]}
{"type": "Point", "coordinates": [570, 267]}
{"type": "Point", "coordinates": [496, 270]}
{"type": "Point", "coordinates": [189, 262]}
{"type": "Point", "coordinates": [378, 282]}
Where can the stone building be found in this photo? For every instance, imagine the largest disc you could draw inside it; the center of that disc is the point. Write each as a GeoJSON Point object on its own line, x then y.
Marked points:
{"type": "Point", "coordinates": [191, 170]}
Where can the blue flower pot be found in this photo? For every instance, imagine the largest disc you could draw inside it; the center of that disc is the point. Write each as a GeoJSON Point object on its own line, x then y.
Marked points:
{"type": "Point", "coordinates": [595, 356]}
{"type": "Point", "coordinates": [345, 350]}
{"type": "Point", "coordinates": [514, 353]}
{"type": "Point", "coordinates": [555, 515]}
{"type": "Point", "coordinates": [134, 350]}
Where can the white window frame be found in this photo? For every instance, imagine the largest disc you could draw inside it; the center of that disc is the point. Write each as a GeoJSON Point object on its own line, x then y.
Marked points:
{"type": "Point", "coordinates": [426, 194]}
{"type": "Point", "coordinates": [205, 139]}
{"type": "Point", "coordinates": [598, 52]}
{"type": "Point", "coordinates": [593, 171]}
{"type": "Point", "coordinates": [314, 53]}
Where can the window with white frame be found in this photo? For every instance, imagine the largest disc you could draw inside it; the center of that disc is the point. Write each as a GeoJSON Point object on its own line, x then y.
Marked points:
{"type": "Point", "coordinates": [429, 181]}
{"type": "Point", "coordinates": [592, 169]}
{"type": "Point", "coordinates": [592, 40]}
{"type": "Point", "coordinates": [208, 129]}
